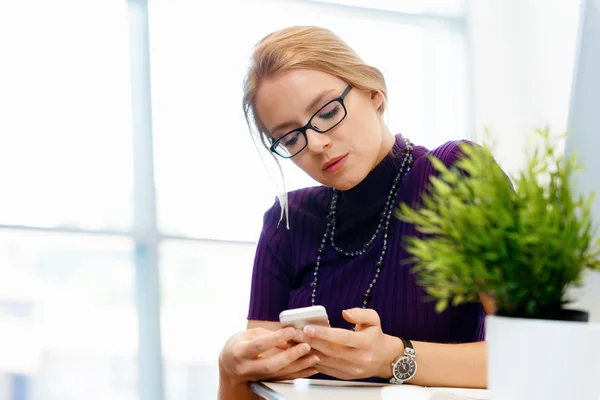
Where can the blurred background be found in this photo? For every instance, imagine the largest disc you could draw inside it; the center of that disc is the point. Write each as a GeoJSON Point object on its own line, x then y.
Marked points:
{"type": "Point", "coordinates": [126, 249]}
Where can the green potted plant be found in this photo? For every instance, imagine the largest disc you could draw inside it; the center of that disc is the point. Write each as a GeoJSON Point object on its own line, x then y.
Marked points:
{"type": "Point", "coordinates": [523, 246]}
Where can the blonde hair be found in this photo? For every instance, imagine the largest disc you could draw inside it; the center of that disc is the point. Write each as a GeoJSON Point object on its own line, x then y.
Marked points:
{"type": "Point", "coordinates": [308, 47]}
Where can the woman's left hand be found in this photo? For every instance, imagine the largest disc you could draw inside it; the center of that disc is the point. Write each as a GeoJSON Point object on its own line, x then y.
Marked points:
{"type": "Point", "coordinates": [363, 353]}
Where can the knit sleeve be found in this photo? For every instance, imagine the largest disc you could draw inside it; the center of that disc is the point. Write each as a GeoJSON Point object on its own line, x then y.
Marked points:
{"type": "Point", "coordinates": [271, 275]}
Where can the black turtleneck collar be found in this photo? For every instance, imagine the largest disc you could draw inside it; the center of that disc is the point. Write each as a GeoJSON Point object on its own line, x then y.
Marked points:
{"type": "Point", "coordinates": [360, 207]}
{"type": "Point", "coordinates": [375, 188]}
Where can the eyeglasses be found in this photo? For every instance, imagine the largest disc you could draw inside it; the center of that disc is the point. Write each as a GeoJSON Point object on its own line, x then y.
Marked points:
{"type": "Point", "coordinates": [325, 119]}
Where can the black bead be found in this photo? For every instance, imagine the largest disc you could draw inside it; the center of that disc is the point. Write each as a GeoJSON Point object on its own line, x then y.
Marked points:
{"type": "Point", "coordinates": [384, 221]}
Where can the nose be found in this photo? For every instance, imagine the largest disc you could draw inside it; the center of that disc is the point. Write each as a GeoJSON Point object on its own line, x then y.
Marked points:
{"type": "Point", "coordinates": [317, 142]}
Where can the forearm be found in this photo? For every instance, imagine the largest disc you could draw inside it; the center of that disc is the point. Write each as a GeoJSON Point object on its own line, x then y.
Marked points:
{"type": "Point", "coordinates": [448, 365]}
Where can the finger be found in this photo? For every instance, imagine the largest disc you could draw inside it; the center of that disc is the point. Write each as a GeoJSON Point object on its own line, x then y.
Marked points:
{"type": "Point", "coordinates": [253, 347]}
{"type": "Point", "coordinates": [270, 353]}
{"type": "Point", "coordinates": [271, 365]}
{"type": "Point", "coordinates": [302, 364]}
{"type": "Point", "coordinates": [362, 316]}
{"type": "Point", "coordinates": [326, 347]}
{"type": "Point", "coordinates": [332, 349]}
{"type": "Point", "coordinates": [258, 332]}
{"type": "Point", "coordinates": [335, 335]}
{"type": "Point", "coordinates": [284, 346]}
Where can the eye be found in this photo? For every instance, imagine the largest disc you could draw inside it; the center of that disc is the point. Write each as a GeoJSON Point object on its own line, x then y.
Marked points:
{"type": "Point", "coordinates": [291, 139]}
{"type": "Point", "coordinates": [329, 111]}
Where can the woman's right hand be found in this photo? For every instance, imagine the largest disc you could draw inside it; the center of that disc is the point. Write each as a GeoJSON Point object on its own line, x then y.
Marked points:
{"type": "Point", "coordinates": [260, 354]}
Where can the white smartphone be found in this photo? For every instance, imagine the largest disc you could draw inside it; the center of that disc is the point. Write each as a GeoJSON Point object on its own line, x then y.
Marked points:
{"type": "Point", "coordinates": [301, 317]}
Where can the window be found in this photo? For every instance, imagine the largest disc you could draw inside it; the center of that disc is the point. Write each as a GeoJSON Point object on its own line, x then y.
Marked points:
{"type": "Point", "coordinates": [211, 182]}
{"type": "Point", "coordinates": [65, 132]}
{"type": "Point", "coordinates": [67, 315]}
{"type": "Point", "coordinates": [67, 312]}
{"type": "Point", "coordinates": [449, 8]}
{"type": "Point", "coordinates": [67, 233]}
{"type": "Point", "coordinates": [205, 287]}
{"type": "Point", "coordinates": [210, 179]}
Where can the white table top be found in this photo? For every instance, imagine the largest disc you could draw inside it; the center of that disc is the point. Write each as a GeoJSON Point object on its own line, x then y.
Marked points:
{"type": "Point", "coordinates": [329, 390]}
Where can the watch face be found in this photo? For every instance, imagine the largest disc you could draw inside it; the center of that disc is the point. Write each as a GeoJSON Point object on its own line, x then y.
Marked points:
{"type": "Point", "coordinates": [405, 368]}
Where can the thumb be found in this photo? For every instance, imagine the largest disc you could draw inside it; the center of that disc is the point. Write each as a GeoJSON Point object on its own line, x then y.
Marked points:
{"type": "Point", "coordinates": [361, 316]}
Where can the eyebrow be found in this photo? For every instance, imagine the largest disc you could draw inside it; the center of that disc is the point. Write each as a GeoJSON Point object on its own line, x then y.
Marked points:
{"type": "Point", "coordinates": [316, 101]}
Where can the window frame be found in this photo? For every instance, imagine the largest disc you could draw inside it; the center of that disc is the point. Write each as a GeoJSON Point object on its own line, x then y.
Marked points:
{"type": "Point", "coordinates": [145, 230]}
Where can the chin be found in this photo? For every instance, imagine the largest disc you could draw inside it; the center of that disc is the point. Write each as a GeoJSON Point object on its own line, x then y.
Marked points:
{"type": "Point", "coordinates": [344, 184]}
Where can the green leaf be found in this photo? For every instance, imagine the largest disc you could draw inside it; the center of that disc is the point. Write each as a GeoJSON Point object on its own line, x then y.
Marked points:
{"type": "Point", "coordinates": [476, 234]}
{"type": "Point", "coordinates": [441, 305]}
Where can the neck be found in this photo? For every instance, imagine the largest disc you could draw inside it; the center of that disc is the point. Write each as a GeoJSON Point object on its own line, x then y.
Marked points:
{"type": "Point", "coordinates": [362, 205]}
{"type": "Point", "coordinates": [387, 144]}
{"type": "Point", "coordinates": [373, 189]}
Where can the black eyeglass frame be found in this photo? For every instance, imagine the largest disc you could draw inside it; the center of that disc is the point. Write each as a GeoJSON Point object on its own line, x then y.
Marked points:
{"type": "Point", "coordinates": [309, 125]}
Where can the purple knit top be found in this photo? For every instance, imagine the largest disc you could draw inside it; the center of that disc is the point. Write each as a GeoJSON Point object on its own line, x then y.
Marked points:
{"type": "Point", "coordinates": [285, 258]}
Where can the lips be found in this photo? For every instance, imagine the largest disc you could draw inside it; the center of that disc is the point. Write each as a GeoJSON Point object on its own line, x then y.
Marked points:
{"type": "Point", "coordinates": [332, 162]}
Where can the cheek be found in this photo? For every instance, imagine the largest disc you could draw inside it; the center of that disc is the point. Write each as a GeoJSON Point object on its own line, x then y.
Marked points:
{"type": "Point", "coordinates": [360, 128]}
{"type": "Point", "coordinates": [360, 137]}
{"type": "Point", "coordinates": [307, 164]}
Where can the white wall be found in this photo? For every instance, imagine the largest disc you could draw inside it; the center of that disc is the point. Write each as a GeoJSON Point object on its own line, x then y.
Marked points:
{"type": "Point", "coordinates": [522, 54]}
{"type": "Point", "coordinates": [584, 123]}
{"type": "Point", "coordinates": [522, 61]}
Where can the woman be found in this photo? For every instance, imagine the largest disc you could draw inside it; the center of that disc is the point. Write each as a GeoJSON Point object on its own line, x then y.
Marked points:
{"type": "Point", "coordinates": [315, 102]}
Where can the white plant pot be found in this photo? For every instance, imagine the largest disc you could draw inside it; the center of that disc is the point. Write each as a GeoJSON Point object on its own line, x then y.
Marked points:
{"type": "Point", "coordinates": [532, 359]}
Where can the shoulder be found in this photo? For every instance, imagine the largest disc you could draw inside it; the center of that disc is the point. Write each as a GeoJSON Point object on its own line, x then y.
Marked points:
{"type": "Point", "coordinates": [423, 169]}
{"type": "Point", "coordinates": [304, 205]}
{"type": "Point", "coordinates": [448, 153]}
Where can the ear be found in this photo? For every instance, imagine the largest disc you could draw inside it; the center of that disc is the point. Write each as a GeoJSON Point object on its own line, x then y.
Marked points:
{"type": "Point", "coordinates": [376, 99]}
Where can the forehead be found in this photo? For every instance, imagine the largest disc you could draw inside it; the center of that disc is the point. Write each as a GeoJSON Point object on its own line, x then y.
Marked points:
{"type": "Point", "coordinates": [285, 96]}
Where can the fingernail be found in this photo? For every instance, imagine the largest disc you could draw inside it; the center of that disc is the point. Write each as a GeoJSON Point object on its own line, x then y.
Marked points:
{"type": "Point", "coordinates": [300, 335]}
{"type": "Point", "coordinates": [305, 347]}
{"type": "Point", "coordinates": [309, 330]}
{"type": "Point", "coordinates": [316, 359]}
{"type": "Point", "coordinates": [347, 314]}
{"type": "Point", "coordinates": [290, 332]}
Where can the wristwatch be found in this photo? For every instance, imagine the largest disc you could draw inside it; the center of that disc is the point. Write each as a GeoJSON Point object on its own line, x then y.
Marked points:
{"type": "Point", "coordinates": [406, 366]}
